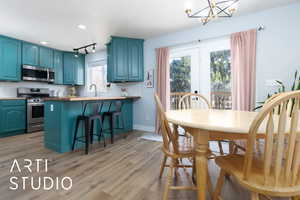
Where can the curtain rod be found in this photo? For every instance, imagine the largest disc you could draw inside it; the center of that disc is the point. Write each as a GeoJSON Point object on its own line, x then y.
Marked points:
{"type": "Point", "coordinates": [260, 28]}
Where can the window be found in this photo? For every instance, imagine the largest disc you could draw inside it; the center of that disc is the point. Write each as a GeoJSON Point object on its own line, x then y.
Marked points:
{"type": "Point", "coordinates": [220, 76]}
{"type": "Point", "coordinates": [97, 74]}
{"type": "Point", "coordinates": [184, 72]}
{"type": "Point", "coordinates": [180, 74]}
{"type": "Point", "coordinates": [202, 68]}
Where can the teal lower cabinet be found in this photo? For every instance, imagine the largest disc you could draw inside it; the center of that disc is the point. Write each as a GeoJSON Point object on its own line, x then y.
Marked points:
{"type": "Point", "coordinates": [12, 117]}
{"type": "Point", "coordinates": [60, 118]}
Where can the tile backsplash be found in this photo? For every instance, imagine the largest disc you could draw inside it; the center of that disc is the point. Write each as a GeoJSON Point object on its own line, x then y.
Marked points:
{"type": "Point", "coordinates": [9, 89]}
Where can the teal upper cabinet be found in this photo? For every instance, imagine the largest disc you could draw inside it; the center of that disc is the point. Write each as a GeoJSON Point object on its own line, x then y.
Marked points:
{"type": "Point", "coordinates": [73, 69]}
{"type": "Point", "coordinates": [10, 59]}
{"type": "Point", "coordinates": [136, 60]}
{"type": "Point", "coordinates": [45, 57]}
{"type": "Point", "coordinates": [30, 54]}
{"type": "Point", "coordinates": [58, 66]}
{"type": "Point", "coordinates": [36, 55]}
{"type": "Point", "coordinates": [79, 70]}
{"type": "Point", "coordinates": [125, 60]}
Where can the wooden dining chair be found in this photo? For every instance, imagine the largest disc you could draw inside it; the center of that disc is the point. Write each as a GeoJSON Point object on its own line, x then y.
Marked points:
{"type": "Point", "coordinates": [174, 150]}
{"type": "Point", "coordinates": [276, 172]}
{"type": "Point", "coordinates": [198, 101]}
{"type": "Point", "coordinates": [175, 98]}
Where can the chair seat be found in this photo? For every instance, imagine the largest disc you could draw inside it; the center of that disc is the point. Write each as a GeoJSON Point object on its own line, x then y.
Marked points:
{"type": "Point", "coordinates": [234, 163]}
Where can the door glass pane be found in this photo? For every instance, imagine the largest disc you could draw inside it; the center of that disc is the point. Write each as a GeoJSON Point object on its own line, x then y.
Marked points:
{"type": "Point", "coordinates": [180, 78]}
{"type": "Point", "coordinates": [220, 74]}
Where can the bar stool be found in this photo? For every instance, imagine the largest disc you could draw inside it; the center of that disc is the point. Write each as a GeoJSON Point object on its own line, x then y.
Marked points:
{"type": "Point", "coordinates": [89, 125]}
{"type": "Point", "coordinates": [113, 115]}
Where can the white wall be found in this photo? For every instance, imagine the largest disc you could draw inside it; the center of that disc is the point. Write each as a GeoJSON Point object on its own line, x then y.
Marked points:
{"type": "Point", "coordinates": [278, 50]}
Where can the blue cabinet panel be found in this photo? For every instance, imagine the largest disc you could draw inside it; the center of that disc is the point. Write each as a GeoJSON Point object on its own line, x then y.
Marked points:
{"type": "Point", "coordinates": [125, 60]}
{"type": "Point", "coordinates": [45, 57]}
{"type": "Point", "coordinates": [136, 60]}
{"type": "Point", "coordinates": [74, 72]}
{"type": "Point", "coordinates": [12, 117]}
{"type": "Point", "coordinates": [120, 67]}
{"type": "Point", "coordinates": [30, 54]}
{"type": "Point", "coordinates": [10, 59]}
{"type": "Point", "coordinates": [58, 66]}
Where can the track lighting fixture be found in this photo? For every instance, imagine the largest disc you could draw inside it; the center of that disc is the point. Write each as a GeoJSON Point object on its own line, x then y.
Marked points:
{"type": "Point", "coordinates": [85, 48]}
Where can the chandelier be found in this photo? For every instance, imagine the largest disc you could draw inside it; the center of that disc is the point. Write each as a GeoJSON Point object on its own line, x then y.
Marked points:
{"type": "Point", "coordinates": [215, 9]}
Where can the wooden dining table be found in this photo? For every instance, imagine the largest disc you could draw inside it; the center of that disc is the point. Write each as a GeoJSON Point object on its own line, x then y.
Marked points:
{"type": "Point", "coordinates": [208, 124]}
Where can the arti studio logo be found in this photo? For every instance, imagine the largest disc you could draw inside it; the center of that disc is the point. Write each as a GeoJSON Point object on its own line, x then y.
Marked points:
{"type": "Point", "coordinates": [32, 174]}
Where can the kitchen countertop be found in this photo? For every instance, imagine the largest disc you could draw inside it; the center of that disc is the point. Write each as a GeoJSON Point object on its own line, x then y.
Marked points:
{"type": "Point", "coordinates": [12, 98]}
{"type": "Point", "coordinates": [89, 98]}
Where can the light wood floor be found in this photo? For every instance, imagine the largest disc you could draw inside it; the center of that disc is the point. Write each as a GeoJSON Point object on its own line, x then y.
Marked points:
{"type": "Point", "coordinates": [126, 170]}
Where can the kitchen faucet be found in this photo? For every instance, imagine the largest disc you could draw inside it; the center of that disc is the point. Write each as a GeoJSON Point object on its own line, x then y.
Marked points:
{"type": "Point", "coordinates": [95, 86]}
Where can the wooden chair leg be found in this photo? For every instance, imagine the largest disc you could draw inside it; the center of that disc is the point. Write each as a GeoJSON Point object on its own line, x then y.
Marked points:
{"type": "Point", "coordinates": [162, 167]}
{"type": "Point", "coordinates": [231, 147]}
{"type": "Point", "coordinates": [209, 185]}
{"type": "Point", "coordinates": [168, 182]}
{"type": "Point", "coordinates": [254, 196]}
{"type": "Point", "coordinates": [219, 185]}
{"type": "Point", "coordinates": [220, 148]}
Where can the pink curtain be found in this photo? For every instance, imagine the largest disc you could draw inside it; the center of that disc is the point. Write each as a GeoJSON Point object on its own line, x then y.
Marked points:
{"type": "Point", "coordinates": [163, 76]}
{"type": "Point", "coordinates": [243, 65]}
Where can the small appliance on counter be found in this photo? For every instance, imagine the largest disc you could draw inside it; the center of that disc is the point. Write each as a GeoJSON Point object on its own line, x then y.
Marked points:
{"type": "Point", "coordinates": [72, 91]}
{"type": "Point", "coordinates": [35, 106]}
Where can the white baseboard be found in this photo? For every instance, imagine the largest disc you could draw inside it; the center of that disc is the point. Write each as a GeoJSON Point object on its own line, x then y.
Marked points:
{"type": "Point", "coordinates": [143, 128]}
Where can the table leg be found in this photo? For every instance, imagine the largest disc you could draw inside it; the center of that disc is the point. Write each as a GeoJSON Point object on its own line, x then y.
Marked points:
{"type": "Point", "coordinates": [201, 140]}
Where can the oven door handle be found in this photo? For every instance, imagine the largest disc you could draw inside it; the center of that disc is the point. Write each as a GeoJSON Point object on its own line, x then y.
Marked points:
{"type": "Point", "coordinates": [36, 104]}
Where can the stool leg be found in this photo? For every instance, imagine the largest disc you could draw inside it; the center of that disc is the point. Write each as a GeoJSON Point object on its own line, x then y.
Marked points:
{"type": "Point", "coordinates": [123, 124]}
{"type": "Point", "coordinates": [101, 132]}
{"type": "Point", "coordinates": [75, 134]}
{"type": "Point", "coordinates": [111, 122]}
{"type": "Point", "coordinates": [87, 135]}
{"type": "Point", "coordinates": [92, 131]}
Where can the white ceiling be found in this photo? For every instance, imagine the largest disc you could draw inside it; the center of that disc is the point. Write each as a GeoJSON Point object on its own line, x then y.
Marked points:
{"type": "Point", "coordinates": [56, 21]}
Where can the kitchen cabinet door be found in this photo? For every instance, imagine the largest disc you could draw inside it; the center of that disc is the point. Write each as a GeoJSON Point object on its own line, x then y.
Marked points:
{"type": "Point", "coordinates": [79, 71]}
{"type": "Point", "coordinates": [135, 60]}
{"type": "Point", "coordinates": [13, 116]}
{"type": "Point", "coordinates": [45, 57]}
{"type": "Point", "coordinates": [120, 60]}
{"type": "Point", "coordinates": [58, 66]}
{"type": "Point", "coordinates": [69, 69]}
{"type": "Point", "coordinates": [30, 54]}
{"type": "Point", "coordinates": [10, 59]}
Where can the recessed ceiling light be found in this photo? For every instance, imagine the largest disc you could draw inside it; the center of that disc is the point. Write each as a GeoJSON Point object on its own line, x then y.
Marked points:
{"type": "Point", "coordinates": [44, 42]}
{"type": "Point", "coordinates": [81, 26]}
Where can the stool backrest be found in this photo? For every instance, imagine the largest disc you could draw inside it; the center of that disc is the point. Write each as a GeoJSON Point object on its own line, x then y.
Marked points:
{"type": "Point", "coordinates": [95, 106]}
{"type": "Point", "coordinates": [281, 158]}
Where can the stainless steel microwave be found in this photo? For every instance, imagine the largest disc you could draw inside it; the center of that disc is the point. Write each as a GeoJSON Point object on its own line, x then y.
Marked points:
{"type": "Point", "coordinates": [40, 74]}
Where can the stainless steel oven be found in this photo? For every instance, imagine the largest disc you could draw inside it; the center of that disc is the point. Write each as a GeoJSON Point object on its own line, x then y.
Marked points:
{"type": "Point", "coordinates": [35, 107]}
{"type": "Point", "coordinates": [35, 114]}
{"type": "Point", "coordinates": [33, 73]}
